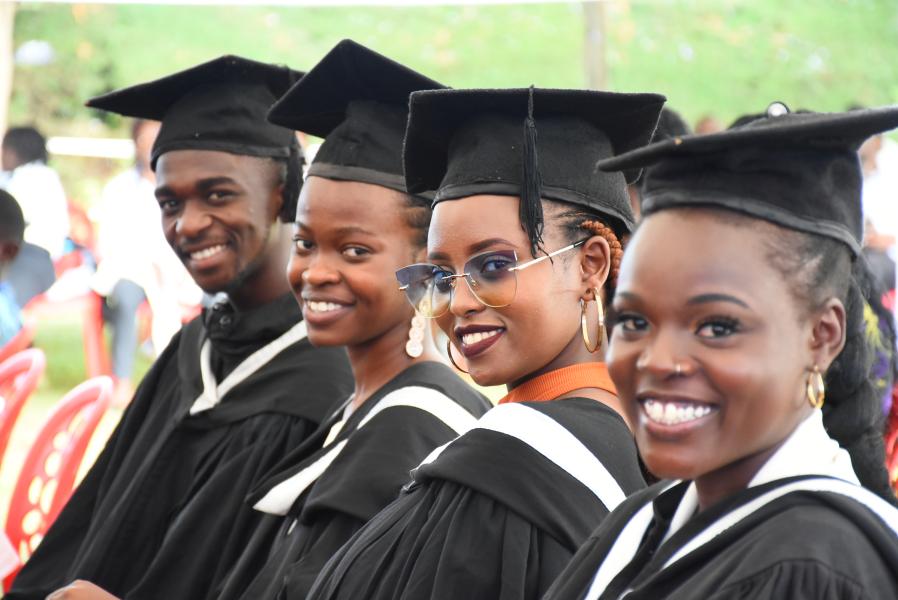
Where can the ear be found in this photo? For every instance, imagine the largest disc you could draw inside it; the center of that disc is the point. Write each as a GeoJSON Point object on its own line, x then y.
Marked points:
{"type": "Point", "coordinates": [828, 333]}
{"type": "Point", "coordinates": [277, 202]}
{"type": "Point", "coordinates": [595, 265]}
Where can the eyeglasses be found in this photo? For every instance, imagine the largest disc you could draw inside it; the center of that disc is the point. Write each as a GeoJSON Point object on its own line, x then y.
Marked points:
{"type": "Point", "coordinates": [491, 277]}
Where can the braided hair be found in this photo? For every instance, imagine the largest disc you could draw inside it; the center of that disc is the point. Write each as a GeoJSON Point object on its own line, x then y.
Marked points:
{"type": "Point", "coordinates": [820, 268]}
{"type": "Point", "coordinates": [575, 221]}
{"type": "Point", "coordinates": [290, 177]}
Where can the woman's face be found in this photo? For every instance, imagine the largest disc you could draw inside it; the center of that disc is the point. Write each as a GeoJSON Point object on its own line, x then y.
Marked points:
{"type": "Point", "coordinates": [699, 292]}
{"type": "Point", "coordinates": [349, 239]}
{"type": "Point", "coordinates": [505, 345]}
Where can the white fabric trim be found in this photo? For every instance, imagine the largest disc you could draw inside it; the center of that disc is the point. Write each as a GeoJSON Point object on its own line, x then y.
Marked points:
{"type": "Point", "coordinates": [880, 507]}
{"type": "Point", "coordinates": [213, 393]}
{"type": "Point", "coordinates": [624, 549]}
{"type": "Point", "coordinates": [807, 451]}
{"type": "Point", "coordinates": [281, 497]}
{"type": "Point", "coordinates": [548, 437]}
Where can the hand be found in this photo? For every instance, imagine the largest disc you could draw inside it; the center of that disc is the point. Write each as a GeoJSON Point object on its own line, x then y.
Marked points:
{"type": "Point", "coordinates": [81, 590]}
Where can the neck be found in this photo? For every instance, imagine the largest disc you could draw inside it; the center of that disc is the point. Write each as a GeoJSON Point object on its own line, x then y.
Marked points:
{"type": "Point", "coordinates": [375, 362]}
{"type": "Point", "coordinates": [574, 353]}
{"type": "Point", "coordinates": [268, 281]}
{"type": "Point", "coordinates": [732, 478]}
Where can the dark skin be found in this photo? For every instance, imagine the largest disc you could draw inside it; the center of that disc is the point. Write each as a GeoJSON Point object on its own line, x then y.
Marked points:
{"type": "Point", "coordinates": [539, 331]}
{"type": "Point", "coordinates": [215, 199]}
{"type": "Point", "coordinates": [743, 341]}
{"type": "Point", "coordinates": [219, 214]}
{"type": "Point", "coordinates": [349, 240]}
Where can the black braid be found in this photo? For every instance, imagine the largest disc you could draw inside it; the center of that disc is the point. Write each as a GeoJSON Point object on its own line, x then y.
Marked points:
{"type": "Point", "coordinates": [290, 176]}
{"type": "Point", "coordinates": [822, 268]}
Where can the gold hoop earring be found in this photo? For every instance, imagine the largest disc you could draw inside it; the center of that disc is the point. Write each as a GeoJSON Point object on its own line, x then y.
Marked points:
{"type": "Point", "coordinates": [815, 388]}
{"type": "Point", "coordinates": [452, 360]}
{"type": "Point", "coordinates": [584, 329]}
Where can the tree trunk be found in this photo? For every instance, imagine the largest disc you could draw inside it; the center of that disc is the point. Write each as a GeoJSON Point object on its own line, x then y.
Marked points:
{"type": "Point", "coordinates": [594, 44]}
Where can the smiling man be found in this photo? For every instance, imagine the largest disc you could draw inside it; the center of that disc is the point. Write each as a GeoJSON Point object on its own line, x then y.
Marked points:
{"type": "Point", "coordinates": [161, 513]}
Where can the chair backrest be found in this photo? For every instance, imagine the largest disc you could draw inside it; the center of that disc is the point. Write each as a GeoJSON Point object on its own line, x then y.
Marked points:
{"type": "Point", "coordinates": [48, 475]}
{"type": "Point", "coordinates": [20, 341]}
{"type": "Point", "coordinates": [19, 375]}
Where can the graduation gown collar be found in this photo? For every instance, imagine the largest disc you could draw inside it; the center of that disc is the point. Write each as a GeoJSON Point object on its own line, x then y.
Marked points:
{"type": "Point", "coordinates": [281, 493]}
{"type": "Point", "coordinates": [809, 460]}
{"type": "Point", "coordinates": [236, 333]}
{"type": "Point", "coordinates": [807, 451]}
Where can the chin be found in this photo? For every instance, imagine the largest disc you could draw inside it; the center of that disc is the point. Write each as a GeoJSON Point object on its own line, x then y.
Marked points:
{"type": "Point", "coordinates": [488, 375]}
{"type": "Point", "coordinates": [666, 465]}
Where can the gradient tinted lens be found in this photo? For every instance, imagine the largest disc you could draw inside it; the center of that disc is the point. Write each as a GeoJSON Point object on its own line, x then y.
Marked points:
{"type": "Point", "coordinates": [491, 279]}
{"type": "Point", "coordinates": [427, 287]}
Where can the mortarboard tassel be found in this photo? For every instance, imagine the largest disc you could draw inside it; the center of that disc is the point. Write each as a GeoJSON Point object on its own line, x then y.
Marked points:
{"type": "Point", "coordinates": [531, 211]}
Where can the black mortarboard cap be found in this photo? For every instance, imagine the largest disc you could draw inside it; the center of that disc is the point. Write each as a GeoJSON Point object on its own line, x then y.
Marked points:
{"type": "Point", "coordinates": [357, 100]}
{"type": "Point", "coordinates": [217, 105]}
{"type": "Point", "coordinates": [532, 143]}
{"type": "Point", "coordinates": [797, 170]}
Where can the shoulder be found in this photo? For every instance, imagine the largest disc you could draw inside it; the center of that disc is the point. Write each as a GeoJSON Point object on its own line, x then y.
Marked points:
{"type": "Point", "coordinates": [417, 402]}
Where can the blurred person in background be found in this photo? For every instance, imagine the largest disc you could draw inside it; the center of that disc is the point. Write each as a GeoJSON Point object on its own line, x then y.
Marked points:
{"type": "Point", "coordinates": [12, 228]}
{"type": "Point", "coordinates": [707, 124]}
{"type": "Point", "coordinates": [37, 188]}
{"type": "Point", "coordinates": [137, 264]}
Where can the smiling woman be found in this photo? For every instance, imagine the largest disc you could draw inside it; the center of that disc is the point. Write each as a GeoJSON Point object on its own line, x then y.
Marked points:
{"type": "Point", "coordinates": [743, 370]}
{"type": "Point", "coordinates": [355, 225]}
{"type": "Point", "coordinates": [522, 254]}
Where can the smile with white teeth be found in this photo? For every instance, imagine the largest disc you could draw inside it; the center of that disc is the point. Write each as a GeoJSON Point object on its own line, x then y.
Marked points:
{"type": "Point", "coordinates": [323, 307]}
{"type": "Point", "coordinates": [470, 339]}
{"type": "Point", "coordinates": [674, 413]}
{"type": "Point", "coordinates": [207, 252]}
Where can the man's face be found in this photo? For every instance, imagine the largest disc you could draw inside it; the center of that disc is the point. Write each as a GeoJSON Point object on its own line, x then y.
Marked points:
{"type": "Point", "coordinates": [218, 210]}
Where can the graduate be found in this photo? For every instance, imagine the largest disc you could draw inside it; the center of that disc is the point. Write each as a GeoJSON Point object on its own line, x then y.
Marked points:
{"type": "Point", "coordinates": [523, 253]}
{"type": "Point", "coordinates": [742, 359]}
{"type": "Point", "coordinates": [161, 512]}
{"type": "Point", "coordinates": [355, 225]}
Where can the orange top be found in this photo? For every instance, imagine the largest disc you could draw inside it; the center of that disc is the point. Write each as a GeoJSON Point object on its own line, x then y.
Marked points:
{"type": "Point", "coordinates": [553, 384]}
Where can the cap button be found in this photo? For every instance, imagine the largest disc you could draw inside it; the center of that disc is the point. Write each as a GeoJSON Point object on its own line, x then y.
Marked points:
{"type": "Point", "coordinates": [777, 109]}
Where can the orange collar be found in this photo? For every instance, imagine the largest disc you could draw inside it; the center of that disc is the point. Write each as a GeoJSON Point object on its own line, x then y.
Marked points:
{"type": "Point", "coordinates": [553, 384]}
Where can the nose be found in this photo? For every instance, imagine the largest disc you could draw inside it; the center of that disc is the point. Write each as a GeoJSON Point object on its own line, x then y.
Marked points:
{"type": "Point", "coordinates": [192, 221]}
{"type": "Point", "coordinates": [663, 355]}
{"type": "Point", "coordinates": [463, 301]}
{"type": "Point", "coordinates": [318, 270]}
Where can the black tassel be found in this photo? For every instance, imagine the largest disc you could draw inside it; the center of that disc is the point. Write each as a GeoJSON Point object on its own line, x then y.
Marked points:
{"type": "Point", "coordinates": [531, 212]}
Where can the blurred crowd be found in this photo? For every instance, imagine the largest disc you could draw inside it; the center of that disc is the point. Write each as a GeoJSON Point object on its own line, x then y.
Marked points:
{"type": "Point", "coordinates": [131, 269]}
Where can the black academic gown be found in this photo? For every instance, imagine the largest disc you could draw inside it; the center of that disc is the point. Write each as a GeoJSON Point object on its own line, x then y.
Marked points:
{"type": "Point", "coordinates": [378, 444]}
{"type": "Point", "coordinates": [498, 513]}
{"type": "Point", "coordinates": [799, 537]}
{"type": "Point", "coordinates": [161, 512]}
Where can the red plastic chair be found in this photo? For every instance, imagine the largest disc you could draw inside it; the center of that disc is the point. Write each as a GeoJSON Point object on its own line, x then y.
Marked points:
{"type": "Point", "coordinates": [19, 375]}
{"type": "Point", "coordinates": [48, 474]}
{"type": "Point", "coordinates": [20, 341]}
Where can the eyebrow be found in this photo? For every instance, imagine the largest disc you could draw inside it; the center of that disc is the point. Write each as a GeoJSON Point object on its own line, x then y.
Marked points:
{"type": "Point", "coordinates": [708, 298]}
{"type": "Point", "coordinates": [211, 182]}
{"type": "Point", "coordinates": [473, 248]}
{"type": "Point", "coordinates": [202, 185]}
{"type": "Point", "coordinates": [350, 229]}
